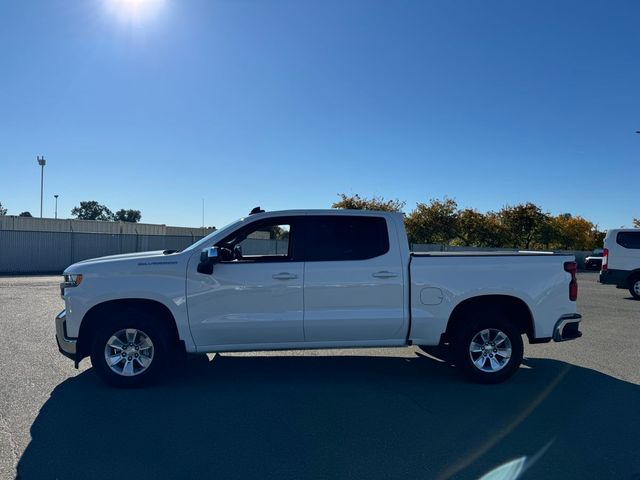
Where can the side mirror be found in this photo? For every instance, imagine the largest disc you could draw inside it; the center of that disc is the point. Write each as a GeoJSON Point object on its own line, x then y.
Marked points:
{"type": "Point", "coordinates": [208, 258]}
{"type": "Point", "coordinates": [210, 255]}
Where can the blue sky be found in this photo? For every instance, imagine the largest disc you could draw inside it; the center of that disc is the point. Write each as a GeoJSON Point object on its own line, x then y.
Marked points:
{"type": "Point", "coordinates": [285, 103]}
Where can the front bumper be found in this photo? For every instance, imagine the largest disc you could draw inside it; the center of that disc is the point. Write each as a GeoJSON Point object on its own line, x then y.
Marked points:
{"type": "Point", "coordinates": [67, 346]}
{"type": "Point", "coordinates": [567, 327]}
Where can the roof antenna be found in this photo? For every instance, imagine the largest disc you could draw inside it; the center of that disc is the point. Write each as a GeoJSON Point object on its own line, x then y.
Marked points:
{"type": "Point", "coordinates": [256, 210]}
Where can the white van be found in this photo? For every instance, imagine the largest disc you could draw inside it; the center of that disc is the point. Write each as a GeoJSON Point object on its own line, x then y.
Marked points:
{"type": "Point", "coordinates": [621, 260]}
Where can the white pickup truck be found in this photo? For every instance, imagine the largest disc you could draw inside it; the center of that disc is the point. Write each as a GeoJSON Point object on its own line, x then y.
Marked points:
{"type": "Point", "coordinates": [311, 279]}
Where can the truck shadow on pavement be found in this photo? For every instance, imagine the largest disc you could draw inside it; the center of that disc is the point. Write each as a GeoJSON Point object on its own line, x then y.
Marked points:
{"type": "Point", "coordinates": [242, 417]}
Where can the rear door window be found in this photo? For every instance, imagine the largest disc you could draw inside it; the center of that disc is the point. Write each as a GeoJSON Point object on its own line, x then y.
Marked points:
{"type": "Point", "coordinates": [341, 238]}
{"type": "Point", "coordinates": [629, 239]}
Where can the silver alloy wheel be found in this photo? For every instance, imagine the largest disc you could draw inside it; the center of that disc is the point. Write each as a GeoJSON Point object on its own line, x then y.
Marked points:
{"type": "Point", "coordinates": [490, 350]}
{"type": "Point", "coordinates": [636, 287]}
{"type": "Point", "coordinates": [129, 352]}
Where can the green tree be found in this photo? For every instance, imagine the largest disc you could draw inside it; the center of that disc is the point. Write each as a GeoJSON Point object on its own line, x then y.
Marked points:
{"type": "Point", "coordinates": [92, 210]}
{"type": "Point", "coordinates": [597, 237]}
{"type": "Point", "coordinates": [278, 233]}
{"type": "Point", "coordinates": [3, 211]}
{"type": "Point", "coordinates": [130, 215]}
{"type": "Point", "coordinates": [496, 232]}
{"type": "Point", "coordinates": [524, 224]}
{"type": "Point", "coordinates": [356, 202]}
{"type": "Point", "coordinates": [25, 214]}
{"type": "Point", "coordinates": [478, 229]}
{"type": "Point", "coordinates": [573, 233]}
{"type": "Point", "coordinates": [548, 235]}
{"type": "Point", "coordinates": [435, 222]}
{"type": "Point", "coordinates": [636, 222]}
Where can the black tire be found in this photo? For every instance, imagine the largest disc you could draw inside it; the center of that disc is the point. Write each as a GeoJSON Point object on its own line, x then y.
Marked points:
{"type": "Point", "coordinates": [469, 329]}
{"type": "Point", "coordinates": [634, 287]}
{"type": "Point", "coordinates": [146, 325]}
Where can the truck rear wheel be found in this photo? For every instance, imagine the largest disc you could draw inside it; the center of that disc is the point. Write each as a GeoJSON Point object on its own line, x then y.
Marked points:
{"type": "Point", "coordinates": [634, 288]}
{"type": "Point", "coordinates": [488, 350]}
{"type": "Point", "coordinates": [130, 349]}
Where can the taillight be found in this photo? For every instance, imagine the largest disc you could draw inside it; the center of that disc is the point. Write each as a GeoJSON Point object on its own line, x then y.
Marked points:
{"type": "Point", "coordinates": [572, 268]}
{"type": "Point", "coordinates": [605, 259]}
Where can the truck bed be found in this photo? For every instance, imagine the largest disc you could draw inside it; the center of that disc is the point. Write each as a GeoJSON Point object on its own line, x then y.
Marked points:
{"type": "Point", "coordinates": [486, 254]}
{"type": "Point", "coordinates": [442, 280]}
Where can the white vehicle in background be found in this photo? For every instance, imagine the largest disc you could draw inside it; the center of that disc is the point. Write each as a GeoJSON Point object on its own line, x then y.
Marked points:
{"type": "Point", "coordinates": [621, 260]}
{"type": "Point", "coordinates": [310, 279]}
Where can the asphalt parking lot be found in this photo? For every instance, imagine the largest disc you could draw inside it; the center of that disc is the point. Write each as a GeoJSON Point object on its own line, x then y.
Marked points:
{"type": "Point", "coordinates": [573, 409]}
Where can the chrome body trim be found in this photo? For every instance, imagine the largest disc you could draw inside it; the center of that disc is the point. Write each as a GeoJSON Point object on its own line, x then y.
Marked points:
{"type": "Point", "coordinates": [562, 322]}
{"type": "Point", "coordinates": [68, 345]}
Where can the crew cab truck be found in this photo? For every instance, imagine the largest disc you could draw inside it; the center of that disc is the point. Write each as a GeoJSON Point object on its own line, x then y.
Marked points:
{"type": "Point", "coordinates": [621, 260]}
{"type": "Point", "coordinates": [313, 279]}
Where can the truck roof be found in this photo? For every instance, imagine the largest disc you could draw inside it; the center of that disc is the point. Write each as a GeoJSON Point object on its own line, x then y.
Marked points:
{"type": "Point", "coordinates": [326, 211]}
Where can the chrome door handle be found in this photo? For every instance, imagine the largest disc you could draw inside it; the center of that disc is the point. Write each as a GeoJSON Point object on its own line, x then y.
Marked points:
{"type": "Point", "coordinates": [384, 274]}
{"type": "Point", "coordinates": [284, 276]}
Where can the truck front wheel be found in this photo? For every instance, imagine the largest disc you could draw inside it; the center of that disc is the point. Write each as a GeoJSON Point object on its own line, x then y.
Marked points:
{"type": "Point", "coordinates": [129, 349]}
{"type": "Point", "coordinates": [488, 351]}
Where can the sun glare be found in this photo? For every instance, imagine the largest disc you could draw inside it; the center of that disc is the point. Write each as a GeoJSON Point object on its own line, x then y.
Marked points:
{"type": "Point", "coordinates": [135, 11]}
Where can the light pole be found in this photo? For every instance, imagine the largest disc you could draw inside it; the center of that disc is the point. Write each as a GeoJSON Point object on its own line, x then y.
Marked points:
{"type": "Point", "coordinates": [42, 162]}
{"type": "Point", "coordinates": [56, 197]}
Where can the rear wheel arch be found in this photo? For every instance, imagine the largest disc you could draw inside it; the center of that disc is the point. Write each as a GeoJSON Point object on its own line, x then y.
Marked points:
{"type": "Point", "coordinates": [512, 308]}
{"type": "Point", "coordinates": [96, 314]}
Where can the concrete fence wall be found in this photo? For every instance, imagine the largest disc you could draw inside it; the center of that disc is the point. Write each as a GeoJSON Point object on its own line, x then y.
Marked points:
{"type": "Point", "coordinates": [23, 252]}
{"type": "Point", "coordinates": [32, 224]}
{"type": "Point", "coordinates": [258, 246]}
{"type": "Point", "coordinates": [49, 245]}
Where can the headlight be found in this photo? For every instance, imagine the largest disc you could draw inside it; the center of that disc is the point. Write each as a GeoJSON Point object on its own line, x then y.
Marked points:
{"type": "Point", "coordinates": [72, 279]}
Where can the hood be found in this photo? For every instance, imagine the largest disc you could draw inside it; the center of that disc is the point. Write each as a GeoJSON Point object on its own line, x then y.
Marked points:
{"type": "Point", "coordinates": [114, 258]}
